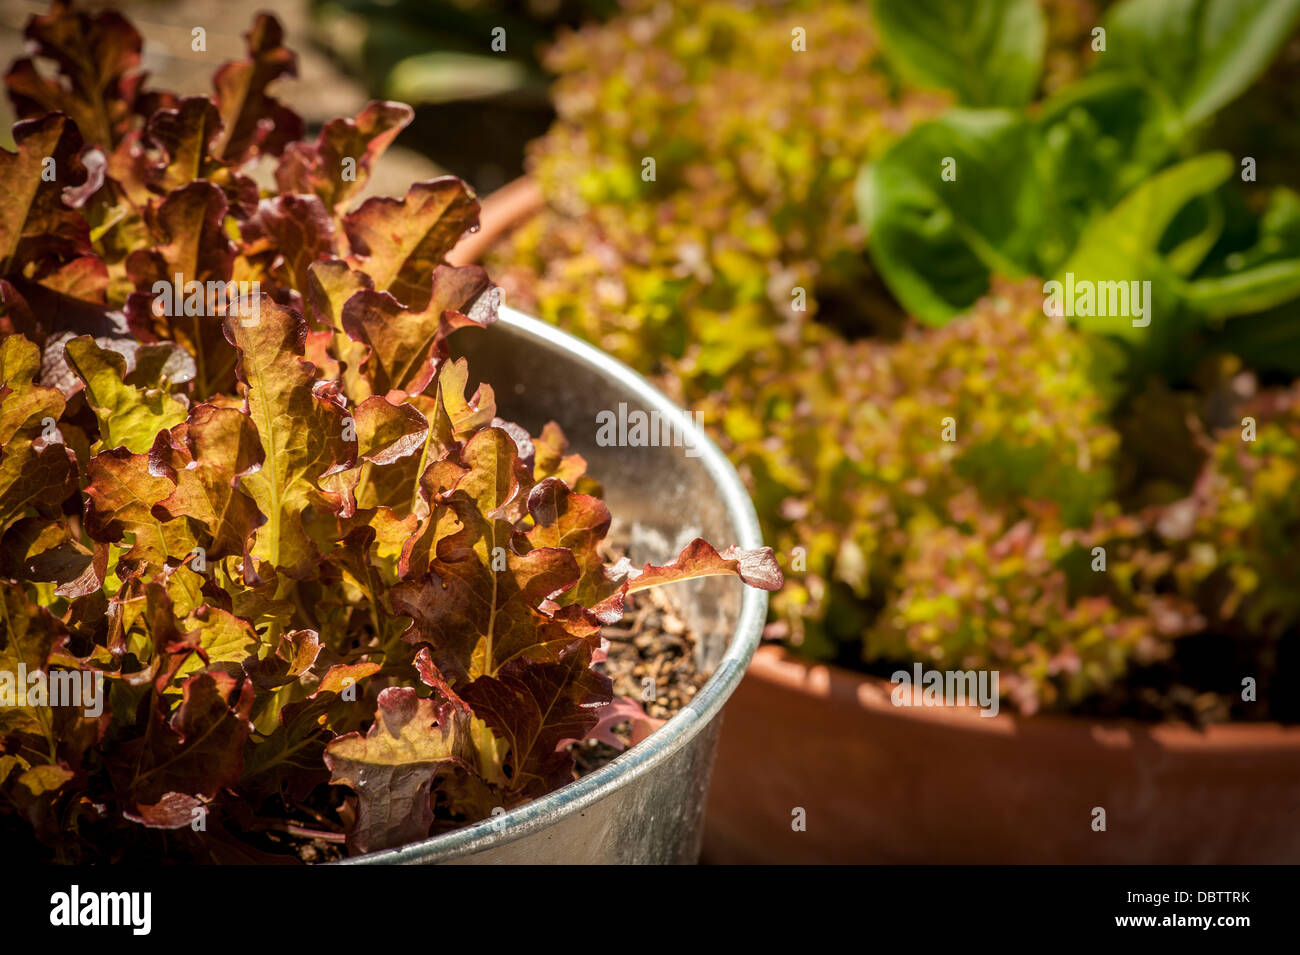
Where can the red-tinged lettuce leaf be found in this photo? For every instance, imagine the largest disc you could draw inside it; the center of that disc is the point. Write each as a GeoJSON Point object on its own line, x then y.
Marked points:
{"type": "Point", "coordinates": [437, 518]}
{"type": "Point", "coordinates": [465, 416]}
{"type": "Point", "coordinates": [38, 549]}
{"type": "Point", "coordinates": [120, 499]}
{"type": "Point", "coordinates": [91, 579]}
{"type": "Point", "coordinates": [35, 223]}
{"type": "Point", "coordinates": [27, 637]}
{"type": "Point", "coordinates": [191, 241]}
{"type": "Point", "coordinates": [552, 460]}
{"type": "Point", "coordinates": [204, 459]}
{"type": "Point", "coordinates": [341, 676]}
{"type": "Point", "coordinates": [407, 484]}
{"type": "Point", "coordinates": [222, 641]}
{"type": "Point", "coordinates": [405, 344]}
{"type": "Point", "coordinates": [755, 566]}
{"type": "Point", "coordinates": [432, 677]}
{"type": "Point", "coordinates": [198, 752]}
{"type": "Point", "coordinates": [387, 432]}
{"type": "Point", "coordinates": [294, 655]}
{"type": "Point", "coordinates": [497, 480]}
{"type": "Point", "coordinates": [399, 242]}
{"type": "Point", "coordinates": [97, 87]}
{"type": "Point", "coordinates": [622, 709]}
{"type": "Point", "coordinates": [24, 405]}
{"type": "Point", "coordinates": [253, 120]}
{"type": "Point", "coordinates": [35, 475]}
{"type": "Point", "coordinates": [536, 707]}
{"type": "Point", "coordinates": [180, 141]}
{"type": "Point", "coordinates": [299, 649]}
{"type": "Point", "coordinates": [476, 619]}
{"type": "Point", "coordinates": [191, 244]}
{"type": "Point", "coordinates": [94, 164]}
{"type": "Point", "coordinates": [172, 811]}
{"type": "Point", "coordinates": [392, 767]}
{"type": "Point", "coordinates": [330, 283]}
{"type": "Point", "coordinates": [38, 793]}
{"type": "Point", "coordinates": [319, 168]}
{"type": "Point", "coordinates": [128, 416]}
{"type": "Point", "coordinates": [477, 603]}
{"type": "Point", "coordinates": [301, 432]}
{"type": "Point", "coordinates": [577, 523]}
{"type": "Point", "coordinates": [286, 235]}
{"type": "Point", "coordinates": [489, 476]}
{"type": "Point", "coordinates": [37, 471]}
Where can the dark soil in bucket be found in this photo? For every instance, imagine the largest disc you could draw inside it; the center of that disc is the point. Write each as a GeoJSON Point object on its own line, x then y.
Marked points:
{"type": "Point", "coordinates": [651, 642]}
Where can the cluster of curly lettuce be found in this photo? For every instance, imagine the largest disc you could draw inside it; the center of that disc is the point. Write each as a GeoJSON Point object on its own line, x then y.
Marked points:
{"type": "Point", "coordinates": [952, 498]}
{"type": "Point", "coordinates": [933, 490]}
{"type": "Point", "coordinates": [1235, 534]}
{"type": "Point", "coordinates": [755, 146]}
{"type": "Point", "coordinates": [974, 552]}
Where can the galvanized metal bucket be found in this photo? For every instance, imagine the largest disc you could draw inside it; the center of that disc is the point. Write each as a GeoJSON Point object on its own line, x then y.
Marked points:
{"type": "Point", "coordinates": [647, 806]}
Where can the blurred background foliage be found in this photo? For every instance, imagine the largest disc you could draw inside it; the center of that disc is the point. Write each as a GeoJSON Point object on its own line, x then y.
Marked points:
{"type": "Point", "coordinates": [440, 58]}
{"type": "Point", "coordinates": [778, 170]}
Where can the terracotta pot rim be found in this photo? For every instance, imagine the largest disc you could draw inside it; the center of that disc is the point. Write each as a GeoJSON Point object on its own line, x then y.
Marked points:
{"type": "Point", "coordinates": [838, 686]}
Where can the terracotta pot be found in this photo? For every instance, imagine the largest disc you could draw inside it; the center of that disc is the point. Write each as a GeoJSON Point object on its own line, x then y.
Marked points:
{"type": "Point", "coordinates": [883, 783]}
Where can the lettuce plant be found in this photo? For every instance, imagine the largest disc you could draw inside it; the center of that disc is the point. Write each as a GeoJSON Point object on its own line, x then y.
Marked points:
{"type": "Point", "coordinates": [903, 478]}
{"type": "Point", "coordinates": [1104, 181]}
{"type": "Point", "coordinates": [249, 507]}
{"type": "Point", "coordinates": [927, 515]}
{"type": "Point", "coordinates": [699, 173]}
{"type": "Point", "coordinates": [1235, 532]}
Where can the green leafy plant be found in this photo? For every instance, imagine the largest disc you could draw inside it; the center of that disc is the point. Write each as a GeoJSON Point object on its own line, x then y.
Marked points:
{"type": "Point", "coordinates": [1100, 181]}
{"type": "Point", "coordinates": [245, 491]}
{"type": "Point", "coordinates": [988, 53]}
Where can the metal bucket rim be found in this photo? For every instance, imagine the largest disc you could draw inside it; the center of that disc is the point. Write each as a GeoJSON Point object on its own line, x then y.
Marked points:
{"type": "Point", "coordinates": [704, 707]}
